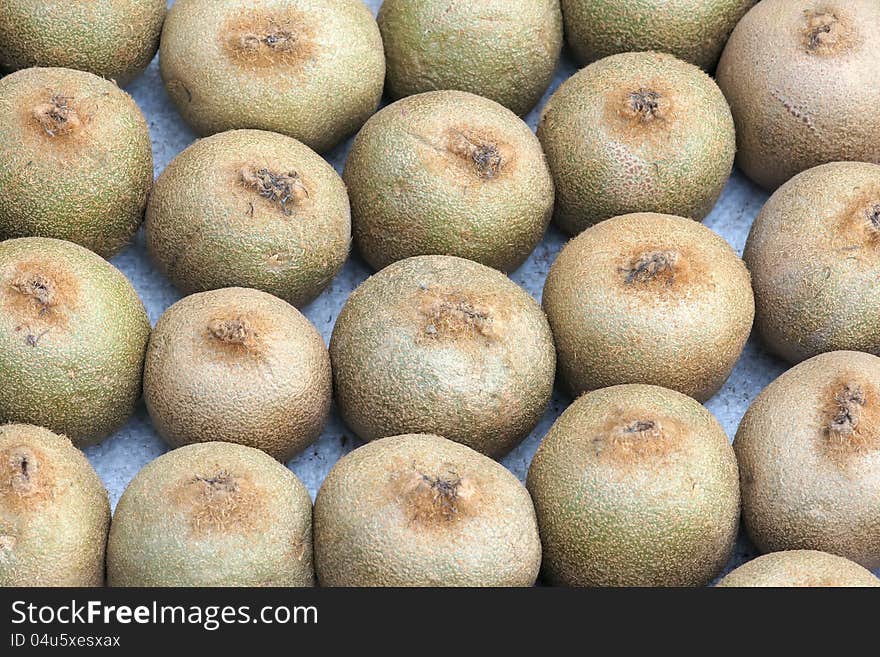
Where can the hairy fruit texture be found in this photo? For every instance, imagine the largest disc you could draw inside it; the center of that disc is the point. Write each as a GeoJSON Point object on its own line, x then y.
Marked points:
{"type": "Point", "coordinates": [800, 568]}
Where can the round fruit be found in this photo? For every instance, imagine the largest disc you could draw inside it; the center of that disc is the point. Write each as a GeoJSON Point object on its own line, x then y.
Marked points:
{"type": "Point", "coordinates": [809, 455]}
{"type": "Point", "coordinates": [648, 298]}
{"type": "Point", "coordinates": [252, 209]}
{"type": "Point", "coordinates": [813, 252]}
{"type": "Point", "coordinates": [638, 132]}
{"type": "Point", "coordinates": [311, 69]}
{"type": "Point", "coordinates": [444, 345]}
{"type": "Point", "coordinates": [635, 485]}
{"type": "Point", "coordinates": [238, 366]}
{"type": "Point", "coordinates": [506, 50]}
{"type": "Point", "coordinates": [420, 510]}
{"type": "Point", "coordinates": [54, 511]}
{"type": "Point", "coordinates": [73, 333]}
{"type": "Point", "coordinates": [448, 173]}
{"type": "Point", "coordinates": [692, 30]}
{"type": "Point", "coordinates": [212, 514]}
{"type": "Point", "coordinates": [115, 40]}
{"type": "Point", "coordinates": [800, 568]}
{"type": "Point", "coordinates": [76, 162]}
{"type": "Point", "coordinates": [803, 78]}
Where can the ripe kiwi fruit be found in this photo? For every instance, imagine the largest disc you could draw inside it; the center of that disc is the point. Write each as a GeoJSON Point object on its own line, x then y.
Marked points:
{"type": "Point", "coordinates": [803, 78]}
{"type": "Point", "coordinates": [73, 333]}
{"type": "Point", "coordinates": [54, 511]}
{"type": "Point", "coordinates": [250, 208]}
{"type": "Point", "coordinates": [692, 30]}
{"type": "Point", "coordinates": [444, 345]}
{"type": "Point", "coordinates": [637, 132]}
{"type": "Point", "coordinates": [635, 485]}
{"type": "Point", "coordinates": [114, 39]}
{"type": "Point", "coordinates": [311, 69]}
{"type": "Point", "coordinates": [239, 366]}
{"type": "Point", "coordinates": [506, 50]}
{"type": "Point", "coordinates": [813, 253]}
{"type": "Point", "coordinates": [448, 173]}
{"type": "Point", "coordinates": [809, 455]}
{"type": "Point", "coordinates": [212, 514]}
{"type": "Point", "coordinates": [648, 298]}
{"type": "Point", "coordinates": [420, 510]}
{"type": "Point", "coordinates": [76, 162]}
{"type": "Point", "coordinates": [800, 568]}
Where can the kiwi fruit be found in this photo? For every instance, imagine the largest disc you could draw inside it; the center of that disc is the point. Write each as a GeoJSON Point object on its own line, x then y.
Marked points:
{"type": "Point", "coordinates": [212, 514]}
{"type": "Point", "coordinates": [809, 455]}
{"type": "Point", "coordinates": [648, 298]}
{"type": "Point", "coordinates": [310, 69]}
{"type": "Point", "coordinates": [444, 345]}
{"type": "Point", "coordinates": [420, 510]}
{"type": "Point", "coordinates": [249, 208]}
{"type": "Point", "coordinates": [813, 252]}
{"type": "Point", "coordinates": [448, 173]}
{"type": "Point", "coordinates": [115, 39]}
{"type": "Point", "coordinates": [506, 50]}
{"type": "Point", "coordinates": [803, 80]}
{"type": "Point", "coordinates": [635, 485]}
{"type": "Point", "coordinates": [637, 132]}
{"type": "Point", "coordinates": [76, 162]}
{"type": "Point", "coordinates": [692, 30]}
{"type": "Point", "coordinates": [800, 568]}
{"type": "Point", "coordinates": [54, 511]}
{"type": "Point", "coordinates": [238, 366]}
{"type": "Point", "coordinates": [73, 333]}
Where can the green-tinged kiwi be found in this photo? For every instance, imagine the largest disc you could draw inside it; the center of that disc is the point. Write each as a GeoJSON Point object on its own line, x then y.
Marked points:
{"type": "Point", "coordinates": [76, 162]}
{"type": "Point", "coordinates": [448, 173]}
{"type": "Point", "coordinates": [809, 455]}
{"type": "Point", "coordinates": [648, 298]}
{"type": "Point", "coordinates": [813, 254]}
{"type": "Point", "coordinates": [420, 510]}
{"type": "Point", "coordinates": [638, 132]}
{"type": "Point", "coordinates": [803, 80]}
{"type": "Point", "coordinates": [114, 39]}
{"type": "Point", "coordinates": [311, 69]}
{"type": "Point", "coordinates": [444, 345]}
{"type": "Point", "coordinates": [212, 514]}
{"type": "Point", "coordinates": [239, 366]}
{"type": "Point", "coordinates": [635, 485]}
{"type": "Point", "coordinates": [253, 209]}
{"type": "Point", "coordinates": [800, 568]}
{"type": "Point", "coordinates": [505, 50]}
{"type": "Point", "coordinates": [73, 333]}
{"type": "Point", "coordinates": [54, 511]}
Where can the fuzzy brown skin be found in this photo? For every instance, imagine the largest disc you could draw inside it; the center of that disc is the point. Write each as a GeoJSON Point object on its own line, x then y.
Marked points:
{"type": "Point", "coordinates": [238, 366]}
{"type": "Point", "coordinates": [813, 253]}
{"type": "Point", "coordinates": [443, 345]}
{"type": "Point", "coordinates": [692, 30]}
{"type": "Point", "coordinates": [809, 454]}
{"type": "Point", "coordinates": [420, 510]}
{"type": "Point", "coordinates": [635, 486]}
{"type": "Point", "coordinates": [54, 511]}
{"type": "Point", "coordinates": [212, 514]}
{"type": "Point", "coordinates": [73, 333]}
{"type": "Point", "coordinates": [802, 78]}
{"type": "Point", "coordinates": [506, 50]}
{"type": "Point", "coordinates": [448, 173]}
{"type": "Point", "coordinates": [250, 208]}
{"type": "Point", "coordinates": [115, 39]}
{"type": "Point", "coordinates": [800, 568]}
{"type": "Point", "coordinates": [648, 298]}
{"type": "Point", "coordinates": [76, 162]}
{"type": "Point", "coordinates": [311, 69]}
{"type": "Point", "coordinates": [638, 132]}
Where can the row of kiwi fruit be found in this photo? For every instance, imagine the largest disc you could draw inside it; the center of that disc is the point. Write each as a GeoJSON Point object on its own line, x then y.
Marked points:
{"type": "Point", "coordinates": [638, 297]}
